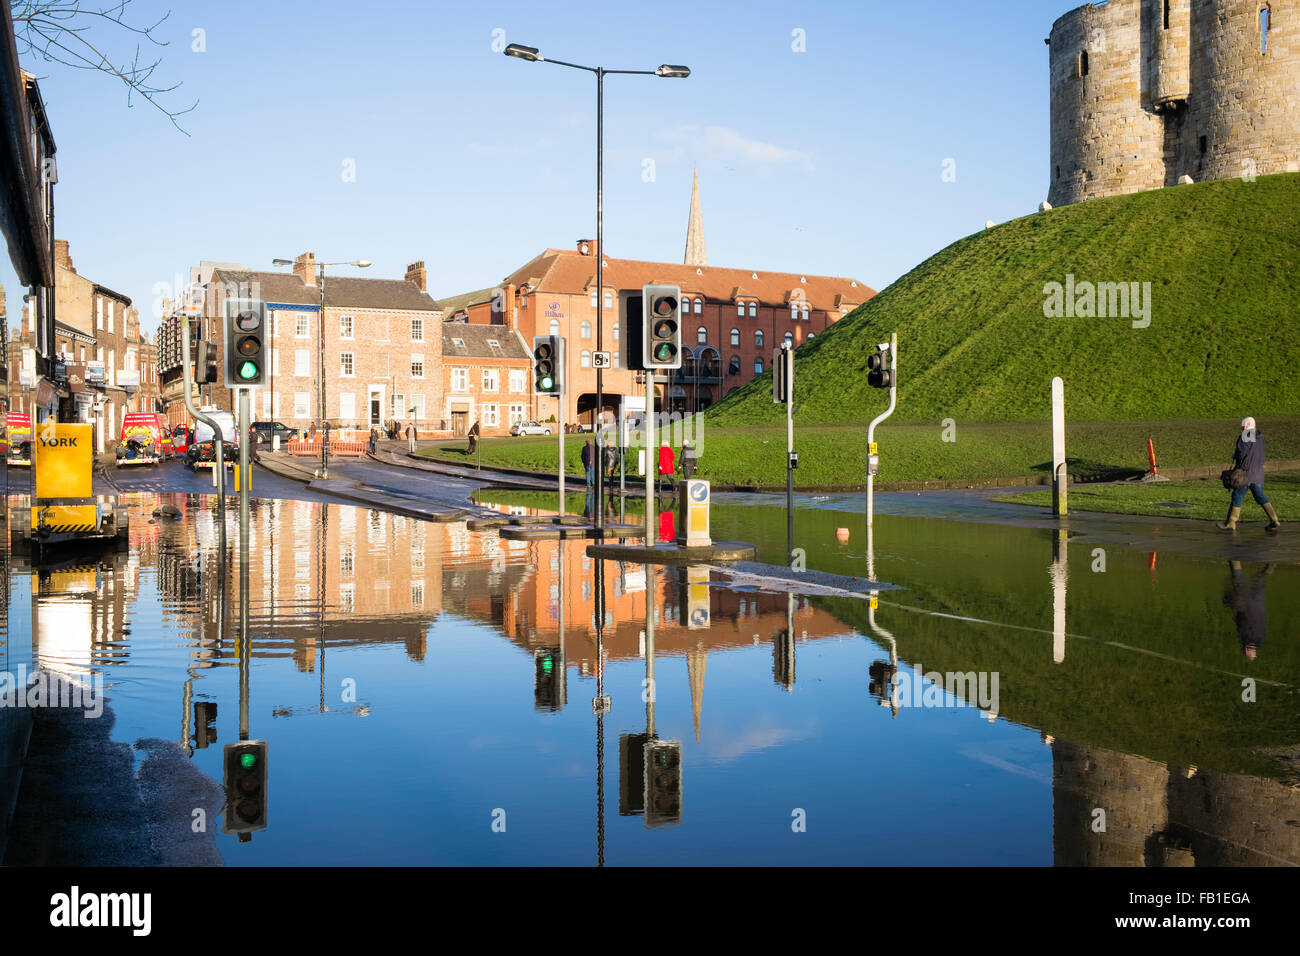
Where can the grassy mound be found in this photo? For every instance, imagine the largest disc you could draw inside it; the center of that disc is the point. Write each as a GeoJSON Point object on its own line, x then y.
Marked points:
{"type": "Point", "coordinates": [1223, 263]}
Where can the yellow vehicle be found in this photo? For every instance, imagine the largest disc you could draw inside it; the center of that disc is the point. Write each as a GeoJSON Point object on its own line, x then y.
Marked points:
{"type": "Point", "coordinates": [65, 509]}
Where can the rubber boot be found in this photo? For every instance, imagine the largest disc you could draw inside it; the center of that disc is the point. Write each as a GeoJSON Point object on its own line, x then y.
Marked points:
{"type": "Point", "coordinates": [1231, 523]}
{"type": "Point", "coordinates": [1273, 523]}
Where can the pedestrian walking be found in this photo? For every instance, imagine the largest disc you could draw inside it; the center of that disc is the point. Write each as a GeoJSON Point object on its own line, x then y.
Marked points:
{"type": "Point", "coordinates": [667, 465]}
{"type": "Point", "coordinates": [690, 459]}
{"type": "Point", "coordinates": [410, 437]}
{"type": "Point", "coordinates": [473, 437]}
{"type": "Point", "coordinates": [373, 443]}
{"type": "Point", "coordinates": [611, 461]}
{"type": "Point", "coordinates": [589, 462]}
{"type": "Point", "coordinates": [1248, 457]}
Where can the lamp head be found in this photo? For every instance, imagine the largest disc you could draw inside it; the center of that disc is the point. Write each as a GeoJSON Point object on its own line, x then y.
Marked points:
{"type": "Point", "coordinates": [522, 52]}
{"type": "Point", "coordinates": [673, 70]}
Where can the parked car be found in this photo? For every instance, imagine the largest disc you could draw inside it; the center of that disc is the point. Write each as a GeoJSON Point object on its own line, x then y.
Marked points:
{"type": "Point", "coordinates": [202, 452]}
{"type": "Point", "coordinates": [262, 432]}
{"type": "Point", "coordinates": [530, 428]}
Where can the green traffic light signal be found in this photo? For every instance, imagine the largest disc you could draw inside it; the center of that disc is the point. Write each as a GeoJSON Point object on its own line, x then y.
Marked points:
{"type": "Point", "coordinates": [247, 370]}
{"type": "Point", "coordinates": [547, 382]}
{"type": "Point", "coordinates": [248, 760]}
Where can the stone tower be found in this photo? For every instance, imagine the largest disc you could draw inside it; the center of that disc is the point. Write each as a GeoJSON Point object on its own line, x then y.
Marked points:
{"type": "Point", "coordinates": [695, 253]}
{"type": "Point", "coordinates": [1144, 92]}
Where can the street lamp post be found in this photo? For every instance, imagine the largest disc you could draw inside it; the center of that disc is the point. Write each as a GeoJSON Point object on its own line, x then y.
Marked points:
{"type": "Point", "coordinates": [531, 55]}
{"type": "Point", "coordinates": [320, 352]}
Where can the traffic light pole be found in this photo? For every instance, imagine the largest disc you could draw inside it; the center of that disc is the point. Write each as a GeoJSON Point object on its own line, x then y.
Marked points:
{"type": "Point", "coordinates": [649, 459]}
{"type": "Point", "coordinates": [787, 357]}
{"type": "Point", "coordinates": [560, 518]}
{"type": "Point", "coordinates": [219, 463]}
{"type": "Point", "coordinates": [244, 483]}
{"type": "Point", "coordinates": [871, 451]}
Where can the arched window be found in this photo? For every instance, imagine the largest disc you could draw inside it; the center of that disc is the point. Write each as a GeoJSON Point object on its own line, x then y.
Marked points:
{"type": "Point", "coordinates": [807, 311]}
{"type": "Point", "coordinates": [1264, 24]}
{"type": "Point", "coordinates": [735, 336]}
{"type": "Point", "coordinates": [811, 336]}
{"type": "Point", "coordinates": [758, 366]}
{"type": "Point", "coordinates": [740, 309]}
{"type": "Point", "coordinates": [789, 338]}
{"type": "Point", "coordinates": [699, 306]}
{"type": "Point", "coordinates": [733, 367]}
{"type": "Point", "coordinates": [586, 329]}
{"type": "Point", "coordinates": [758, 338]}
{"type": "Point", "coordinates": [555, 326]}
{"type": "Point", "coordinates": [753, 310]}
{"type": "Point", "coordinates": [702, 336]}
{"type": "Point", "coordinates": [586, 359]}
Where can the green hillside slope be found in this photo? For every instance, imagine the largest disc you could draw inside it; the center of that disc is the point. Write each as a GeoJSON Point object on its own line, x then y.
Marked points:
{"type": "Point", "coordinates": [1223, 263]}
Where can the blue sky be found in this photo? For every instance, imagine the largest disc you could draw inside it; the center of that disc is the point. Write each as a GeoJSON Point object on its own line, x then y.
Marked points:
{"type": "Point", "coordinates": [826, 161]}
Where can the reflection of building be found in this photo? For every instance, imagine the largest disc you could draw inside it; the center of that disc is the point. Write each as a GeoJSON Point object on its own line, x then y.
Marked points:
{"type": "Point", "coordinates": [1157, 815]}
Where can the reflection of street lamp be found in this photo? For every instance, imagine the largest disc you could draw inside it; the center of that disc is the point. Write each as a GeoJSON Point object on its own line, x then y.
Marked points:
{"type": "Point", "coordinates": [320, 349]}
{"type": "Point", "coordinates": [530, 54]}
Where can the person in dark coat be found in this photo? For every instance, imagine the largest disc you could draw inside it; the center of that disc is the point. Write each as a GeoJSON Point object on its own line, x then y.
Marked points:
{"type": "Point", "coordinates": [473, 437]}
{"type": "Point", "coordinates": [611, 461]}
{"type": "Point", "coordinates": [1246, 599]}
{"type": "Point", "coordinates": [589, 462]}
{"type": "Point", "coordinates": [1249, 457]}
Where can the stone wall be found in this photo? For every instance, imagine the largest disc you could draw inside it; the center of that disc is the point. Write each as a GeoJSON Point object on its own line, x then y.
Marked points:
{"type": "Point", "coordinates": [1144, 92]}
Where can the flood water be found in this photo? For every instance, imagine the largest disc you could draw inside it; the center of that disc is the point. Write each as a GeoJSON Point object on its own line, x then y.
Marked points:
{"type": "Point", "coordinates": [427, 693]}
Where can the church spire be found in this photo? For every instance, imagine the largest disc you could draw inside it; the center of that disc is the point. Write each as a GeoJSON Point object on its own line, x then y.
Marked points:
{"type": "Point", "coordinates": [695, 253]}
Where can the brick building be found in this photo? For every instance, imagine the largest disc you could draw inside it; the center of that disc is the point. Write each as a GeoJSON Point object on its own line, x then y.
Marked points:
{"type": "Point", "coordinates": [733, 318]}
{"type": "Point", "coordinates": [486, 378]}
{"type": "Point", "coordinates": [382, 347]}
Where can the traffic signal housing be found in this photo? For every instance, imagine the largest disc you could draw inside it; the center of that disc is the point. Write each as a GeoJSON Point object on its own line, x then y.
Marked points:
{"type": "Point", "coordinates": [663, 783]}
{"type": "Point", "coordinates": [205, 363]}
{"type": "Point", "coordinates": [549, 690]}
{"type": "Point", "coordinates": [661, 326]}
{"type": "Point", "coordinates": [548, 364]}
{"type": "Point", "coordinates": [782, 375]}
{"type": "Point", "coordinates": [205, 715]}
{"type": "Point", "coordinates": [247, 352]}
{"type": "Point", "coordinates": [245, 780]}
{"type": "Point", "coordinates": [879, 374]}
{"type": "Point", "coordinates": [631, 324]}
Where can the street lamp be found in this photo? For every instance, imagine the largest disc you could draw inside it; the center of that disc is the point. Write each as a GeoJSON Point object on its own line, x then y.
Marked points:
{"type": "Point", "coordinates": [320, 353]}
{"type": "Point", "coordinates": [531, 55]}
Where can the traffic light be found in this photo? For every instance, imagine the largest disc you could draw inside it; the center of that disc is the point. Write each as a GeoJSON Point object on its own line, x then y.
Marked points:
{"type": "Point", "coordinates": [631, 323]}
{"type": "Point", "coordinates": [246, 352]}
{"type": "Point", "coordinates": [548, 680]}
{"type": "Point", "coordinates": [205, 714]}
{"type": "Point", "coordinates": [631, 774]}
{"type": "Point", "coordinates": [205, 363]}
{"type": "Point", "coordinates": [548, 364]}
{"type": "Point", "coordinates": [882, 675]}
{"type": "Point", "coordinates": [245, 782]}
{"type": "Point", "coordinates": [879, 374]}
{"type": "Point", "coordinates": [782, 375]}
{"type": "Point", "coordinates": [783, 659]}
{"type": "Point", "coordinates": [663, 783]}
{"type": "Point", "coordinates": [661, 326]}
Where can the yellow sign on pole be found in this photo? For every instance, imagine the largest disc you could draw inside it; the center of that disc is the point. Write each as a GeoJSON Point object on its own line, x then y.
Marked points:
{"type": "Point", "coordinates": [247, 477]}
{"type": "Point", "coordinates": [63, 461]}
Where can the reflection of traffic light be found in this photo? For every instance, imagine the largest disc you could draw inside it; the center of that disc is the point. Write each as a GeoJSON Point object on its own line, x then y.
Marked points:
{"type": "Point", "coordinates": [205, 363]}
{"type": "Point", "coordinates": [662, 326]}
{"type": "Point", "coordinates": [245, 348]}
{"type": "Point", "coordinates": [631, 773]}
{"type": "Point", "coordinates": [205, 714]}
{"type": "Point", "coordinates": [548, 680]}
{"type": "Point", "coordinates": [246, 795]}
{"type": "Point", "coordinates": [882, 675]}
{"type": "Point", "coordinates": [548, 364]}
{"type": "Point", "coordinates": [783, 659]}
{"type": "Point", "coordinates": [663, 783]}
{"type": "Point", "coordinates": [879, 374]}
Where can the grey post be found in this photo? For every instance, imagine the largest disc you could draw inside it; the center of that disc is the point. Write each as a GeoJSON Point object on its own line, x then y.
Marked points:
{"type": "Point", "coordinates": [219, 464]}
{"type": "Point", "coordinates": [787, 356]}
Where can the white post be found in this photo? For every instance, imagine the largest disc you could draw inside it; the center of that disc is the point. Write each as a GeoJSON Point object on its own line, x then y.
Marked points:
{"type": "Point", "coordinates": [1060, 577]}
{"type": "Point", "coordinates": [1059, 477]}
{"type": "Point", "coordinates": [650, 459]}
{"type": "Point", "coordinates": [871, 450]}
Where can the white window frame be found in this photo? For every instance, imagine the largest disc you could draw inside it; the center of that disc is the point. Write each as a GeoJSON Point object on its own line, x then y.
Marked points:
{"type": "Point", "coordinates": [460, 379]}
{"type": "Point", "coordinates": [346, 327]}
{"type": "Point", "coordinates": [417, 328]}
{"type": "Point", "coordinates": [491, 380]}
{"type": "Point", "coordinates": [489, 411]}
{"type": "Point", "coordinates": [302, 325]}
{"type": "Point", "coordinates": [302, 363]}
{"type": "Point", "coordinates": [518, 381]}
{"type": "Point", "coordinates": [417, 359]}
{"type": "Point", "coordinates": [347, 365]}
{"type": "Point", "coordinates": [517, 413]}
{"type": "Point", "coordinates": [302, 400]}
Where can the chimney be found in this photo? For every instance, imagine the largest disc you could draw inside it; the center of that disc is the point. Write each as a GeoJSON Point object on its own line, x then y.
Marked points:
{"type": "Point", "coordinates": [304, 267]}
{"type": "Point", "coordinates": [417, 273]}
{"type": "Point", "coordinates": [586, 247]}
{"type": "Point", "coordinates": [61, 256]}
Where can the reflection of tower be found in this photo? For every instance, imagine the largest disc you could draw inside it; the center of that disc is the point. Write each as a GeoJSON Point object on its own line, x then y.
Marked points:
{"type": "Point", "coordinates": [697, 660]}
{"type": "Point", "coordinates": [1129, 790]}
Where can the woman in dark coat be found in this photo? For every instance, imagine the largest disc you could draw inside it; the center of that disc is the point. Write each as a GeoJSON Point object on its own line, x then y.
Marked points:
{"type": "Point", "coordinates": [1249, 457]}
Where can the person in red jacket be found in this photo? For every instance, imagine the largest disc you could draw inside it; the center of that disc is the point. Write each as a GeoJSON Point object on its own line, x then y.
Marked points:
{"type": "Point", "coordinates": [667, 464]}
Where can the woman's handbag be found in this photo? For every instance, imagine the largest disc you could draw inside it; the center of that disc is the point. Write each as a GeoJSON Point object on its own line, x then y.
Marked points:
{"type": "Point", "coordinates": [1234, 478]}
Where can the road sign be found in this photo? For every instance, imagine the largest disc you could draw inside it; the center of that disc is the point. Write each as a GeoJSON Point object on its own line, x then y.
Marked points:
{"type": "Point", "coordinates": [600, 360]}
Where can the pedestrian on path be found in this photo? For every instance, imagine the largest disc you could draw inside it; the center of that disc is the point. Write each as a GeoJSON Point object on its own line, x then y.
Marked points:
{"type": "Point", "coordinates": [589, 462]}
{"type": "Point", "coordinates": [374, 438]}
{"type": "Point", "coordinates": [473, 437]}
{"type": "Point", "coordinates": [410, 437]}
{"type": "Point", "coordinates": [667, 465]}
{"type": "Point", "coordinates": [1248, 456]}
{"type": "Point", "coordinates": [690, 459]}
{"type": "Point", "coordinates": [611, 461]}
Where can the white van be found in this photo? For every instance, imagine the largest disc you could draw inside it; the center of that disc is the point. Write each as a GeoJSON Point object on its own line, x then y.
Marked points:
{"type": "Point", "coordinates": [202, 451]}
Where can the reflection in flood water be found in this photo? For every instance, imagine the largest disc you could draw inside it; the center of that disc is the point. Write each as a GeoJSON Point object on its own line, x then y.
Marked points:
{"type": "Point", "coordinates": [431, 694]}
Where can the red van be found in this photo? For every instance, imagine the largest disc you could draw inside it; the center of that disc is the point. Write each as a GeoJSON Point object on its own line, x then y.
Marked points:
{"type": "Point", "coordinates": [144, 439]}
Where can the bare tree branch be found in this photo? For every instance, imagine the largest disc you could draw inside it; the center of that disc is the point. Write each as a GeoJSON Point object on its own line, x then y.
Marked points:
{"type": "Point", "coordinates": [59, 31]}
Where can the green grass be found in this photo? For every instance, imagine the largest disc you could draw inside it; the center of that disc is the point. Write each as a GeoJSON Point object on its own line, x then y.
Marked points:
{"type": "Point", "coordinates": [1205, 499]}
{"type": "Point", "coordinates": [1223, 260]}
{"type": "Point", "coordinates": [836, 456]}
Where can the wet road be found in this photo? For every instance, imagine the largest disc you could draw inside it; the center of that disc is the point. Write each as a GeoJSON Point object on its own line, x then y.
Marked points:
{"type": "Point", "coordinates": [173, 477]}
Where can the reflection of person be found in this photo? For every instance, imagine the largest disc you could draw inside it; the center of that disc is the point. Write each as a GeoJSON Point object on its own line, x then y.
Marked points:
{"type": "Point", "coordinates": [1249, 457]}
{"type": "Point", "coordinates": [1246, 599]}
{"type": "Point", "coordinates": [666, 531]}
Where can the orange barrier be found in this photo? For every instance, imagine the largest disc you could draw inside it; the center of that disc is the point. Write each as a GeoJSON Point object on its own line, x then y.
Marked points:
{"type": "Point", "coordinates": [345, 449]}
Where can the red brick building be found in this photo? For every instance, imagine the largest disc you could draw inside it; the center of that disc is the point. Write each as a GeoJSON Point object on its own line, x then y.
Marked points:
{"type": "Point", "coordinates": [732, 320]}
{"type": "Point", "coordinates": [487, 380]}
